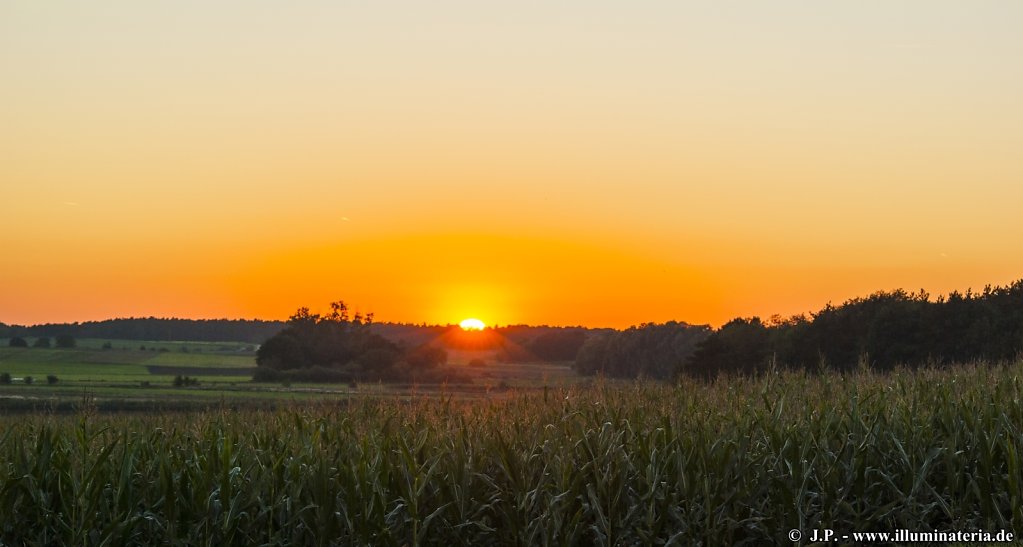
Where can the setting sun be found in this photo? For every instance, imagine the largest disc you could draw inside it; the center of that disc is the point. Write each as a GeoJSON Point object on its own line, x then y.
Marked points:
{"type": "Point", "coordinates": [472, 324]}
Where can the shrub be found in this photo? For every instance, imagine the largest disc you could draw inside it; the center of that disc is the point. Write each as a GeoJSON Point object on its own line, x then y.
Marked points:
{"type": "Point", "coordinates": [185, 381]}
{"type": "Point", "coordinates": [5, 378]}
{"type": "Point", "coordinates": [65, 341]}
{"type": "Point", "coordinates": [29, 380]}
{"type": "Point", "coordinates": [42, 342]}
{"type": "Point", "coordinates": [17, 342]}
{"type": "Point", "coordinates": [311, 340]}
{"type": "Point", "coordinates": [51, 379]}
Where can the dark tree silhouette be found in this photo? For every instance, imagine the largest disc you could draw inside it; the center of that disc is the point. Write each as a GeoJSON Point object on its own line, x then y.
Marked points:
{"type": "Point", "coordinates": [310, 340]}
{"type": "Point", "coordinates": [650, 350]}
{"type": "Point", "coordinates": [17, 342]}
{"type": "Point", "coordinates": [741, 345]}
{"type": "Point", "coordinates": [65, 341]}
{"type": "Point", "coordinates": [881, 331]}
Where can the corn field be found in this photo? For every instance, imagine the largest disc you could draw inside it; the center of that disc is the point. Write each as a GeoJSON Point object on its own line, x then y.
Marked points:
{"type": "Point", "coordinates": [739, 461]}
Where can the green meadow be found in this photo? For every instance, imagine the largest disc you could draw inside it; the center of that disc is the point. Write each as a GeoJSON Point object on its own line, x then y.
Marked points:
{"type": "Point", "coordinates": [120, 375]}
{"type": "Point", "coordinates": [124, 362]}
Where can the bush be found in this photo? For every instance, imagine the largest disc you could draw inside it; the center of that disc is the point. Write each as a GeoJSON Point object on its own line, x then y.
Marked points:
{"type": "Point", "coordinates": [5, 378]}
{"type": "Point", "coordinates": [51, 379]}
{"type": "Point", "coordinates": [311, 340]}
{"type": "Point", "coordinates": [108, 345]}
{"type": "Point", "coordinates": [17, 342]}
{"type": "Point", "coordinates": [29, 380]}
{"type": "Point", "coordinates": [185, 381]}
{"type": "Point", "coordinates": [65, 341]}
{"type": "Point", "coordinates": [42, 342]}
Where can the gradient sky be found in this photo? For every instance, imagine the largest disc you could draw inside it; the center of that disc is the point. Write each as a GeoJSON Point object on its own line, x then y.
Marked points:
{"type": "Point", "coordinates": [577, 162]}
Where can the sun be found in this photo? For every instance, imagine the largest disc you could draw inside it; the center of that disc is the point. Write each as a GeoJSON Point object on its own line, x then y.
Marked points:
{"type": "Point", "coordinates": [472, 324]}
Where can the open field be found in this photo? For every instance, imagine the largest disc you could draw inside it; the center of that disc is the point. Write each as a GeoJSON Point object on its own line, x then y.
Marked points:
{"type": "Point", "coordinates": [739, 461]}
{"type": "Point", "coordinates": [126, 377]}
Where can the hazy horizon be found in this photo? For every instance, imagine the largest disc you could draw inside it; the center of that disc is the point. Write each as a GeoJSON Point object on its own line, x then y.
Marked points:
{"type": "Point", "coordinates": [570, 163]}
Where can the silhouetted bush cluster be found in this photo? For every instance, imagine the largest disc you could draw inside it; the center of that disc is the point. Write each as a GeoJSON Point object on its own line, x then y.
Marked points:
{"type": "Point", "coordinates": [185, 381]}
{"type": "Point", "coordinates": [337, 348]}
{"type": "Point", "coordinates": [65, 341]}
{"type": "Point", "coordinates": [881, 331]}
{"type": "Point", "coordinates": [649, 350]}
{"type": "Point", "coordinates": [17, 342]}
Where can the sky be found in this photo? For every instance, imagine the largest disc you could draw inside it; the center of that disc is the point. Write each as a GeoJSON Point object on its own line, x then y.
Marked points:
{"type": "Point", "coordinates": [567, 162]}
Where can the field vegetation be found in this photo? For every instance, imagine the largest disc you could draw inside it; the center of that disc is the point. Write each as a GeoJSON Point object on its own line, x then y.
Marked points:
{"type": "Point", "coordinates": [133, 375]}
{"type": "Point", "coordinates": [734, 461]}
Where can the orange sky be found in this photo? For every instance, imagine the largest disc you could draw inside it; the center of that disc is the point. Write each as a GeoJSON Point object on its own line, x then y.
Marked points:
{"type": "Point", "coordinates": [584, 163]}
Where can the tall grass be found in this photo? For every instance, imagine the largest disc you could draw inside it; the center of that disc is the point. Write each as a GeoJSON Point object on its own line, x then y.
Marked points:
{"type": "Point", "coordinates": [737, 461]}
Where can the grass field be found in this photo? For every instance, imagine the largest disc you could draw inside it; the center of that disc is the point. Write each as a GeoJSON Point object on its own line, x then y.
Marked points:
{"type": "Point", "coordinates": [739, 461]}
{"type": "Point", "coordinates": [126, 377]}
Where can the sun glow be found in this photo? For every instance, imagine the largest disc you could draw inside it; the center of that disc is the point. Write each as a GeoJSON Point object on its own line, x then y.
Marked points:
{"type": "Point", "coordinates": [472, 324]}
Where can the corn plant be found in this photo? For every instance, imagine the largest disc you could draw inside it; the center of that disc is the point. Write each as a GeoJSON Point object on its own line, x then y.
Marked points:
{"type": "Point", "coordinates": [738, 461]}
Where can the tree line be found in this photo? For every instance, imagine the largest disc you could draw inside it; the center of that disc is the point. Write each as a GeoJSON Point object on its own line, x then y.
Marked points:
{"type": "Point", "coordinates": [514, 343]}
{"type": "Point", "coordinates": [882, 331]}
{"type": "Point", "coordinates": [252, 331]}
{"type": "Point", "coordinates": [649, 350]}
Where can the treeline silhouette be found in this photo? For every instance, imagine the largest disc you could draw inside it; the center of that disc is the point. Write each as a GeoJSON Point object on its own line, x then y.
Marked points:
{"type": "Point", "coordinates": [649, 350]}
{"type": "Point", "coordinates": [512, 343]}
{"type": "Point", "coordinates": [881, 331]}
{"type": "Point", "coordinates": [253, 331]}
{"type": "Point", "coordinates": [337, 347]}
